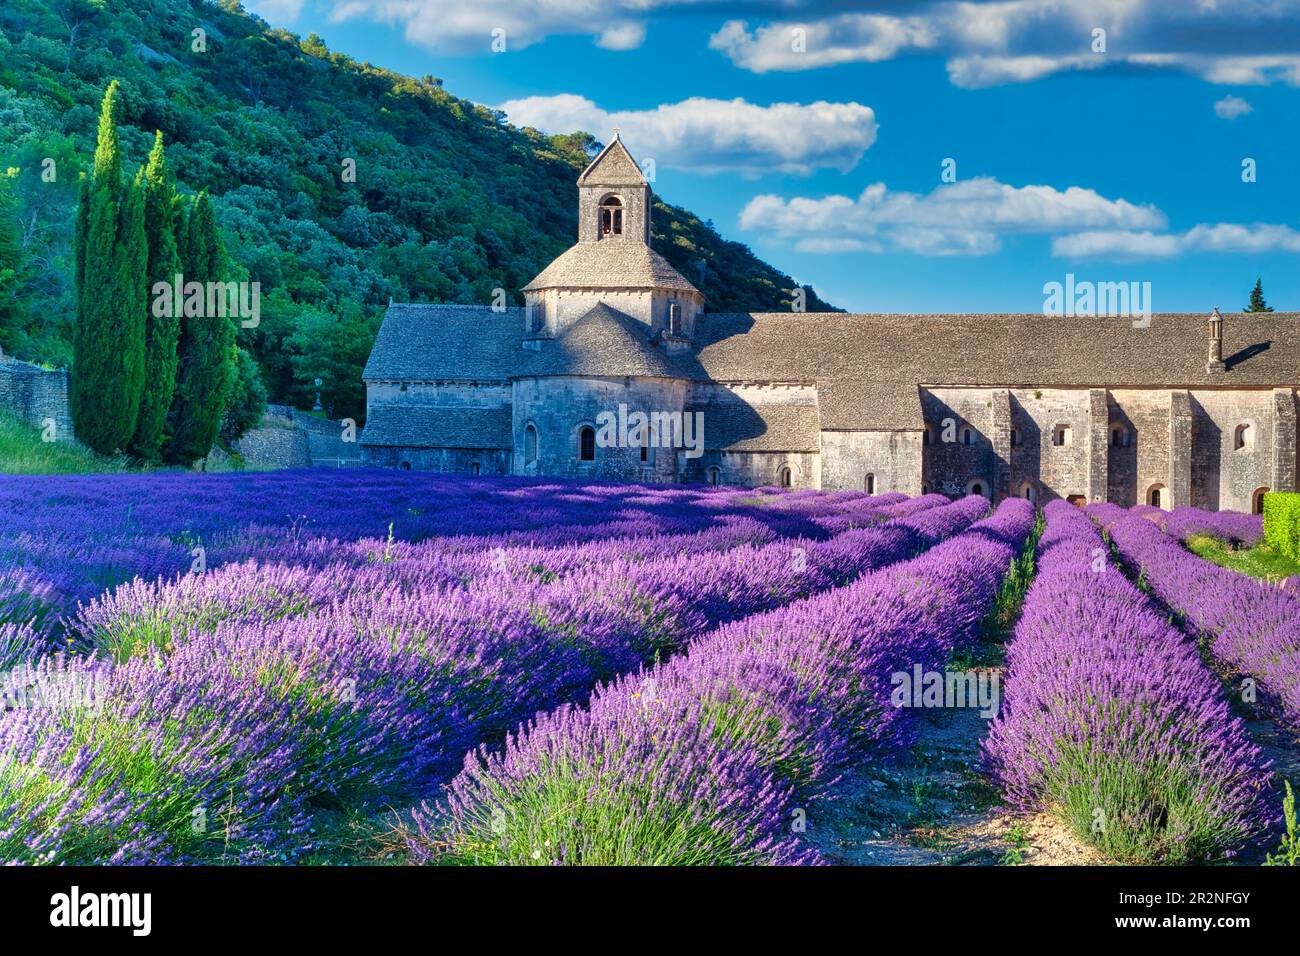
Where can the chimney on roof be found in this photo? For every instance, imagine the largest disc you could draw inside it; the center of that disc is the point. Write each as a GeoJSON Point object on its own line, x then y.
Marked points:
{"type": "Point", "coordinates": [1214, 364]}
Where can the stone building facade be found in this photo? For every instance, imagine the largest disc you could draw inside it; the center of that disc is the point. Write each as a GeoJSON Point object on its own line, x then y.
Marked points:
{"type": "Point", "coordinates": [613, 369]}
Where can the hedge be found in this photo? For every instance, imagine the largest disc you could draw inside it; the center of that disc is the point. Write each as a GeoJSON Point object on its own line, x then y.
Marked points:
{"type": "Point", "coordinates": [1282, 522]}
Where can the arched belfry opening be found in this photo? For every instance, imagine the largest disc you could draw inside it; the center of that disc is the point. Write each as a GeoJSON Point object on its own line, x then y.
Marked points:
{"type": "Point", "coordinates": [611, 217]}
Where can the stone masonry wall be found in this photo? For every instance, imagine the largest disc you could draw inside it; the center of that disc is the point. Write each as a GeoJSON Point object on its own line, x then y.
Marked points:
{"type": "Point", "coordinates": [893, 457]}
{"type": "Point", "coordinates": [36, 395]}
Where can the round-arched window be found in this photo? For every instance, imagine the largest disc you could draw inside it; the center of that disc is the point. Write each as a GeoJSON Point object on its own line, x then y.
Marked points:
{"type": "Point", "coordinates": [611, 216]}
{"type": "Point", "coordinates": [587, 443]}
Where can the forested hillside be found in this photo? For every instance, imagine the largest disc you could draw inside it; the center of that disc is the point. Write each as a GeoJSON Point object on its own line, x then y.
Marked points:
{"type": "Point", "coordinates": [448, 201]}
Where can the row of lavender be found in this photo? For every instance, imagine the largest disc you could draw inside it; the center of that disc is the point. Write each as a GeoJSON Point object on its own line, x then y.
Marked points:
{"type": "Point", "coordinates": [711, 757]}
{"type": "Point", "coordinates": [1249, 625]}
{"type": "Point", "coordinates": [1111, 719]}
{"type": "Point", "coordinates": [69, 538]}
{"type": "Point", "coordinates": [1232, 527]}
{"type": "Point", "coordinates": [246, 701]}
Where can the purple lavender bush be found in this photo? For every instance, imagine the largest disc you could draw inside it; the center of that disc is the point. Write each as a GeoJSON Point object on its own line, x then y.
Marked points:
{"type": "Point", "coordinates": [1111, 720]}
{"type": "Point", "coordinates": [1249, 625]}
{"type": "Point", "coordinates": [703, 759]}
{"type": "Point", "coordinates": [301, 674]}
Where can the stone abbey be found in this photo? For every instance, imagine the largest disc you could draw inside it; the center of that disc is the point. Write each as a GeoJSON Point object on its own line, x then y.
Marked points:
{"type": "Point", "coordinates": [1177, 409]}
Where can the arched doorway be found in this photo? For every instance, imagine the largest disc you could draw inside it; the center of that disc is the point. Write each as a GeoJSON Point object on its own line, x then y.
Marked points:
{"type": "Point", "coordinates": [784, 477]}
{"type": "Point", "coordinates": [977, 486]}
{"type": "Point", "coordinates": [1257, 501]}
{"type": "Point", "coordinates": [1158, 496]}
{"type": "Point", "coordinates": [869, 484]}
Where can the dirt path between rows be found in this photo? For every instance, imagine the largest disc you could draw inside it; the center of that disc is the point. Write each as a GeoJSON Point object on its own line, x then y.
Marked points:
{"type": "Point", "coordinates": [933, 807]}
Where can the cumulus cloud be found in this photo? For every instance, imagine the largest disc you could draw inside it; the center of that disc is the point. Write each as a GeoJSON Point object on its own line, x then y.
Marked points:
{"type": "Point", "coordinates": [1016, 41]}
{"type": "Point", "coordinates": [964, 218]}
{"type": "Point", "coordinates": [714, 136]}
{"type": "Point", "coordinates": [1222, 238]}
{"type": "Point", "coordinates": [1230, 107]}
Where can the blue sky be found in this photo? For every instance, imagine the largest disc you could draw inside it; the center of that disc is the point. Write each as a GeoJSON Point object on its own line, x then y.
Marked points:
{"type": "Point", "coordinates": [1122, 164]}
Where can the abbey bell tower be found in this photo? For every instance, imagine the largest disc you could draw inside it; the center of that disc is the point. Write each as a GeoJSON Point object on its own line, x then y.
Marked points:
{"type": "Point", "coordinates": [613, 198]}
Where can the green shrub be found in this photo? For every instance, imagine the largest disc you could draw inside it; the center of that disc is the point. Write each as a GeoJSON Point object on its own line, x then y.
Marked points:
{"type": "Point", "coordinates": [1282, 522]}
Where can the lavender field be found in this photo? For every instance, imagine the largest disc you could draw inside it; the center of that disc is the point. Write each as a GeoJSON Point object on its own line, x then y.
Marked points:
{"type": "Point", "coordinates": [391, 667]}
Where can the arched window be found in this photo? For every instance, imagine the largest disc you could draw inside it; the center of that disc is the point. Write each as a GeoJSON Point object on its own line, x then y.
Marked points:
{"type": "Point", "coordinates": [869, 484]}
{"type": "Point", "coordinates": [976, 487]}
{"type": "Point", "coordinates": [712, 475]}
{"type": "Point", "coordinates": [1118, 436]}
{"type": "Point", "coordinates": [1158, 496]}
{"type": "Point", "coordinates": [1257, 501]}
{"type": "Point", "coordinates": [587, 443]}
{"type": "Point", "coordinates": [967, 435]}
{"type": "Point", "coordinates": [1243, 436]}
{"type": "Point", "coordinates": [1015, 438]}
{"type": "Point", "coordinates": [405, 466]}
{"type": "Point", "coordinates": [611, 216]}
{"type": "Point", "coordinates": [530, 445]}
{"type": "Point", "coordinates": [783, 477]}
{"type": "Point", "coordinates": [1061, 436]}
{"type": "Point", "coordinates": [475, 468]}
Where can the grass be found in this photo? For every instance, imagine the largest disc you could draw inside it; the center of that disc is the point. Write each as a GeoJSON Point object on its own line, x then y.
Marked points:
{"type": "Point", "coordinates": [1260, 561]}
{"type": "Point", "coordinates": [22, 451]}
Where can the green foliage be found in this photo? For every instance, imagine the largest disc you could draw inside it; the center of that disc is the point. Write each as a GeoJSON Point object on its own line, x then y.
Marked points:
{"type": "Point", "coordinates": [162, 332]}
{"type": "Point", "coordinates": [1257, 303]}
{"type": "Point", "coordinates": [1288, 853]}
{"type": "Point", "coordinates": [1282, 522]}
{"type": "Point", "coordinates": [207, 345]}
{"type": "Point", "coordinates": [1261, 561]}
{"type": "Point", "coordinates": [108, 366]}
{"type": "Point", "coordinates": [448, 203]}
{"type": "Point", "coordinates": [246, 398]}
{"type": "Point", "coordinates": [13, 267]}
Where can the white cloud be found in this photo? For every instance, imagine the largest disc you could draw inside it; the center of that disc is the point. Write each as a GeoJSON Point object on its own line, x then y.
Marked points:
{"type": "Point", "coordinates": [1017, 41]}
{"type": "Point", "coordinates": [1223, 238]}
{"type": "Point", "coordinates": [1230, 107]}
{"type": "Point", "coordinates": [853, 37]}
{"type": "Point", "coordinates": [713, 136]}
{"type": "Point", "coordinates": [964, 218]}
{"type": "Point", "coordinates": [984, 43]}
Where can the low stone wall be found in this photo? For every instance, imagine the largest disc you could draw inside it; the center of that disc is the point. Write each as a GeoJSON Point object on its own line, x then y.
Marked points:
{"type": "Point", "coordinates": [274, 446]}
{"type": "Point", "coordinates": [36, 395]}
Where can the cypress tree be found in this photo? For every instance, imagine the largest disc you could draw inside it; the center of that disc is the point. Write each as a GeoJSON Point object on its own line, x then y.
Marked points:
{"type": "Point", "coordinates": [1257, 303]}
{"type": "Point", "coordinates": [162, 332]}
{"type": "Point", "coordinates": [207, 345]}
{"type": "Point", "coordinates": [108, 362]}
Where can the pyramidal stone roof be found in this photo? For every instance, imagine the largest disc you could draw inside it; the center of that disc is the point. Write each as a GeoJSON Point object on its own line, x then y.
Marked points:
{"type": "Point", "coordinates": [613, 166]}
{"type": "Point", "coordinates": [604, 342]}
{"type": "Point", "coordinates": [610, 264]}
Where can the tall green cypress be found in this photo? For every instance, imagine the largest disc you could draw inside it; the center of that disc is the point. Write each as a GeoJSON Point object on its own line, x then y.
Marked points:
{"type": "Point", "coordinates": [162, 332]}
{"type": "Point", "coordinates": [108, 361]}
{"type": "Point", "coordinates": [207, 345]}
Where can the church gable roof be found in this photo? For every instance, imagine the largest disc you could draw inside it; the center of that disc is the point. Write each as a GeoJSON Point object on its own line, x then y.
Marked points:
{"type": "Point", "coordinates": [610, 264]}
{"type": "Point", "coordinates": [613, 166]}
{"type": "Point", "coordinates": [446, 343]}
{"type": "Point", "coordinates": [1007, 350]}
{"type": "Point", "coordinates": [604, 342]}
